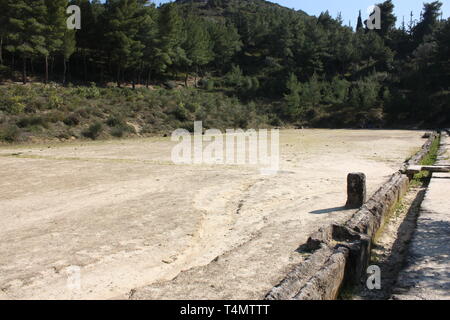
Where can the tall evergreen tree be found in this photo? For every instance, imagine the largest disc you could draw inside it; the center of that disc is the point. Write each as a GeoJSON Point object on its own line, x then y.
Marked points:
{"type": "Point", "coordinates": [388, 19]}
{"type": "Point", "coordinates": [169, 39]}
{"type": "Point", "coordinates": [226, 42]}
{"type": "Point", "coordinates": [56, 26]}
{"type": "Point", "coordinates": [442, 54]}
{"type": "Point", "coordinates": [4, 23]}
{"type": "Point", "coordinates": [197, 45]}
{"type": "Point", "coordinates": [359, 24]}
{"type": "Point", "coordinates": [90, 39]}
{"type": "Point", "coordinates": [27, 30]}
{"type": "Point", "coordinates": [125, 48]}
{"type": "Point", "coordinates": [428, 23]}
{"type": "Point", "coordinates": [292, 97]}
{"type": "Point", "coordinates": [68, 48]}
{"type": "Point", "coordinates": [147, 35]}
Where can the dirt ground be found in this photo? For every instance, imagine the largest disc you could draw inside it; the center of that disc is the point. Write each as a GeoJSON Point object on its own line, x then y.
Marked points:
{"type": "Point", "coordinates": [139, 226]}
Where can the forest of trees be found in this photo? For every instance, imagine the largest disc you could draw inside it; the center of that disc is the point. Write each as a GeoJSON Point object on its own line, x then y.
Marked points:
{"type": "Point", "coordinates": [314, 71]}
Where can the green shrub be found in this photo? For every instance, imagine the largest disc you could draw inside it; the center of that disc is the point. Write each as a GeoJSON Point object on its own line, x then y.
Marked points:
{"type": "Point", "coordinates": [114, 121]}
{"type": "Point", "coordinates": [87, 92]}
{"type": "Point", "coordinates": [275, 120]}
{"type": "Point", "coordinates": [10, 133]}
{"type": "Point", "coordinates": [181, 113]}
{"type": "Point", "coordinates": [12, 104]}
{"type": "Point", "coordinates": [55, 116]}
{"type": "Point", "coordinates": [121, 130]}
{"type": "Point", "coordinates": [6, 72]}
{"type": "Point", "coordinates": [93, 131]}
{"type": "Point", "coordinates": [193, 107]}
{"type": "Point", "coordinates": [431, 157]}
{"type": "Point", "coordinates": [234, 77]}
{"type": "Point", "coordinates": [255, 83]}
{"type": "Point", "coordinates": [64, 135]}
{"type": "Point", "coordinates": [31, 121]}
{"type": "Point", "coordinates": [84, 113]}
{"type": "Point", "coordinates": [209, 85]}
{"type": "Point", "coordinates": [170, 84]}
{"type": "Point", "coordinates": [55, 102]}
{"type": "Point", "coordinates": [72, 120]}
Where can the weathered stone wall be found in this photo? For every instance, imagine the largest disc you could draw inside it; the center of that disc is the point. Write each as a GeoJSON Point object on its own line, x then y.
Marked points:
{"type": "Point", "coordinates": [415, 160]}
{"type": "Point", "coordinates": [341, 253]}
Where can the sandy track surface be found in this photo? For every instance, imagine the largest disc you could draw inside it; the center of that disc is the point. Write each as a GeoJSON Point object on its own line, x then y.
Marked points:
{"type": "Point", "coordinates": [138, 225]}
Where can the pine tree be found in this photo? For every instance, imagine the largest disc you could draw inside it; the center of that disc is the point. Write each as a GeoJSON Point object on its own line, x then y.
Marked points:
{"type": "Point", "coordinates": [292, 98]}
{"type": "Point", "coordinates": [388, 19]}
{"type": "Point", "coordinates": [4, 23]}
{"type": "Point", "coordinates": [311, 94]}
{"type": "Point", "coordinates": [90, 39]}
{"type": "Point", "coordinates": [411, 23]}
{"type": "Point", "coordinates": [123, 27]}
{"type": "Point", "coordinates": [56, 27]}
{"type": "Point", "coordinates": [147, 35]}
{"type": "Point", "coordinates": [27, 30]}
{"type": "Point", "coordinates": [169, 39]}
{"type": "Point", "coordinates": [339, 18]}
{"type": "Point", "coordinates": [68, 48]}
{"type": "Point", "coordinates": [226, 42]}
{"type": "Point", "coordinates": [442, 53]}
{"type": "Point", "coordinates": [197, 45]}
{"type": "Point", "coordinates": [359, 25]}
{"type": "Point", "coordinates": [428, 23]}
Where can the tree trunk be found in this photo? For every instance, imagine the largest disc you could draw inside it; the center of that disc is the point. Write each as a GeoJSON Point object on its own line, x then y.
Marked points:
{"type": "Point", "coordinates": [64, 71]}
{"type": "Point", "coordinates": [186, 80]}
{"type": "Point", "coordinates": [110, 70]}
{"type": "Point", "coordinates": [1, 50]}
{"type": "Point", "coordinates": [85, 65]}
{"type": "Point", "coordinates": [118, 76]}
{"type": "Point", "coordinates": [24, 71]}
{"type": "Point", "coordinates": [46, 69]}
{"type": "Point", "coordinates": [147, 81]}
{"type": "Point", "coordinates": [69, 74]}
{"type": "Point", "coordinates": [195, 77]}
{"type": "Point", "coordinates": [52, 65]}
{"type": "Point", "coordinates": [139, 74]}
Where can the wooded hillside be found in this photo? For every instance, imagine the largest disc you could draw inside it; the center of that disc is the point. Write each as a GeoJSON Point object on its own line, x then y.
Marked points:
{"type": "Point", "coordinates": [303, 70]}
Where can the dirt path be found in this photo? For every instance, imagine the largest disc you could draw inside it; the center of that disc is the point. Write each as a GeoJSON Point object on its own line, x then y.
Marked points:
{"type": "Point", "coordinates": [390, 246]}
{"type": "Point", "coordinates": [426, 274]}
{"type": "Point", "coordinates": [129, 218]}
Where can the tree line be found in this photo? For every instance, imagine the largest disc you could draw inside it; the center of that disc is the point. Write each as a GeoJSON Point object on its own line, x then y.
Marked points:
{"type": "Point", "coordinates": [316, 70]}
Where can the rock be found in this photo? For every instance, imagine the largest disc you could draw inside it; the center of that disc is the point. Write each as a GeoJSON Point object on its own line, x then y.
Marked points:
{"type": "Point", "coordinates": [356, 190]}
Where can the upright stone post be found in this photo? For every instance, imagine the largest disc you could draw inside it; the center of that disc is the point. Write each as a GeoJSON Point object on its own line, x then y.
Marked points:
{"type": "Point", "coordinates": [356, 190]}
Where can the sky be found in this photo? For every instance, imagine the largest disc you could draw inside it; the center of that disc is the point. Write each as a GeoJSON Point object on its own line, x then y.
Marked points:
{"type": "Point", "coordinates": [349, 8]}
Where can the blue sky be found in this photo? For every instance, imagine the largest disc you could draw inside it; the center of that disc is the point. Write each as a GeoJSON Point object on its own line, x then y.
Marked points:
{"type": "Point", "coordinates": [350, 8]}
